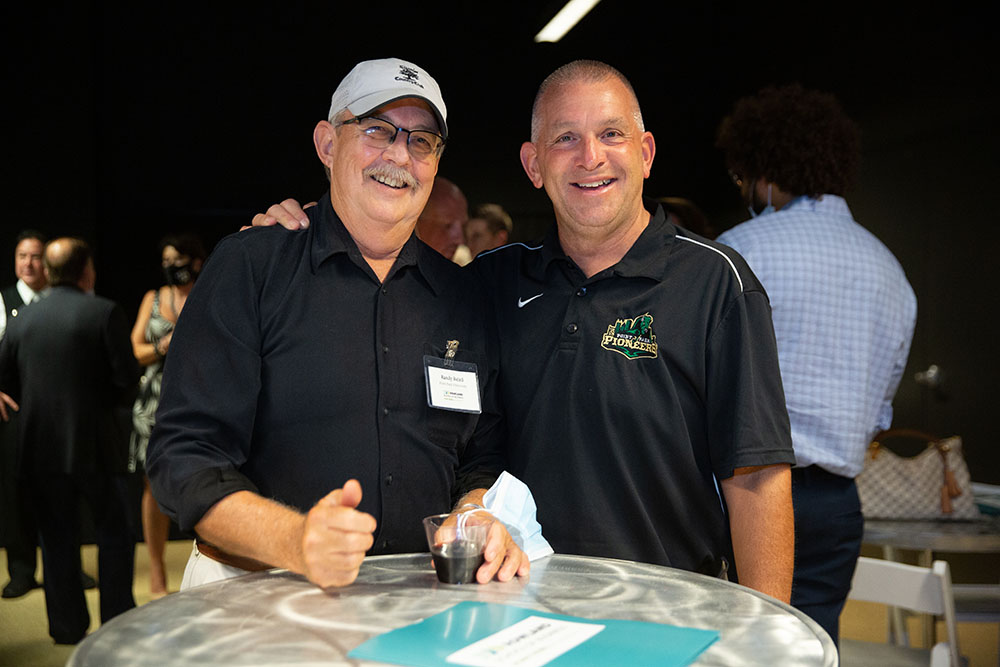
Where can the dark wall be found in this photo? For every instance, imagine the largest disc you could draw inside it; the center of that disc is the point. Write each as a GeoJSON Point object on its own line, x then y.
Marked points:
{"type": "Point", "coordinates": [124, 123]}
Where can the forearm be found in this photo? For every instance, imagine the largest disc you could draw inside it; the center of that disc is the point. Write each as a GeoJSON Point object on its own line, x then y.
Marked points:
{"type": "Point", "coordinates": [146, 353]}
{"type": "Point", "coordinates": [474, 497]}
{"type": "Point", "coordinates": [503, 557]}
{"type": "Point", "coordinates": [246, 524]}
{"type": "Point", "coordinates": [762, 525]}
{"type": "Point", "coordinates": [143, 351]}
{"type": "Point", "coordinates": [327, 545]}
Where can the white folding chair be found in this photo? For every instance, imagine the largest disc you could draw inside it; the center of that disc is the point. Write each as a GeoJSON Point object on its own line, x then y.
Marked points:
{"type": "Point", "coordinates": [921, 589]}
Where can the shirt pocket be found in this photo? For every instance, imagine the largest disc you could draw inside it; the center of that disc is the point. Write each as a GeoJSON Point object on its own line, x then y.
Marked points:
{"type": "Point", "coordinates": [449, 428]}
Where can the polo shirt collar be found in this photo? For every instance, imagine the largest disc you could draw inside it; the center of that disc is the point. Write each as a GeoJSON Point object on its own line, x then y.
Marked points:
{"type": "Point", "coordinates": [330, 237]}
{"type": "Point", "coordinates": [643, 260]}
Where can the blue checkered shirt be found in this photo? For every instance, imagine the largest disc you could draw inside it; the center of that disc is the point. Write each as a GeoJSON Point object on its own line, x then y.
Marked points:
{"type": "Point", "coordinates": [843, 316]}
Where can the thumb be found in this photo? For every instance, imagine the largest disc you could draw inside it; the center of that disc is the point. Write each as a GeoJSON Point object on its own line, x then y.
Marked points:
{"type": "Point", "coordinates": [350, 495]}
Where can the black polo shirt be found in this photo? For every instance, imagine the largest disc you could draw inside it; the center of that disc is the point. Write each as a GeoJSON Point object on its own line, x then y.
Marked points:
{"type": "Point", "coordinates": [292, 369]}
{"type": "Point", "coordinates": [628, 394]}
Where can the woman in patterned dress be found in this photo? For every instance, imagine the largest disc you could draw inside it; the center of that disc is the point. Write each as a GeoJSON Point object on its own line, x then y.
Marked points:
{"type": "Point", "coordinates": [182, 257]}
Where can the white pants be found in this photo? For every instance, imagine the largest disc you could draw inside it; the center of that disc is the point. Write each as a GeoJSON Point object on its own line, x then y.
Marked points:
{"type": "Point", "coordinates": [201, 569]}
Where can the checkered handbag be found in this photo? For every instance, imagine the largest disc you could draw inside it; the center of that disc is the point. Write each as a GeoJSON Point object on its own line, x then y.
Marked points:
{"type": "Point", "coordinates": [935, 484]}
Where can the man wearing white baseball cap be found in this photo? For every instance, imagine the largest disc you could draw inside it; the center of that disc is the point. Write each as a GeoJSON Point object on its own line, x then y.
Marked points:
{"type": "Point", "coordinates": [303, 368]}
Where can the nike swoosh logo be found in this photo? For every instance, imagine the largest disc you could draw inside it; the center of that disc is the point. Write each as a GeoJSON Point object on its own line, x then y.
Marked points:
{"type": "Point", "coordinates": [522, 303]}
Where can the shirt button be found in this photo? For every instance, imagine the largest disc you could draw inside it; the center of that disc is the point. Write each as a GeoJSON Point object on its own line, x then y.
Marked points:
{"type": "Point", "coordinates": [571, 328]}
{"type": "Point", "coordinates": [582, 291]}
{"type": "Point", "coordinates": [385, 349]}
{"type": "Point", "coordinates": [385, 290]}
{"type": "Point", "coordinates": [388, 479]}
{"type": "Point", "coordinates": [385, 544]}
{"type": "Point", "coordinates": [385, 411]}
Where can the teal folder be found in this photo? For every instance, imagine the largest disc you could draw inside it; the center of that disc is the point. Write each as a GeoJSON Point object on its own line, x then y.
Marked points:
{"type": "Point", "coordinates": [429, 642]}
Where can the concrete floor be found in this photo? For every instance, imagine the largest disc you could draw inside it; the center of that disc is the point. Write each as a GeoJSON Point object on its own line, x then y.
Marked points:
{"type": "Point", "coordinates": [24, 638]}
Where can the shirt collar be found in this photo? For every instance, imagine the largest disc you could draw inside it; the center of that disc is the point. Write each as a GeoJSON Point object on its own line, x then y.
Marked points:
{"type": "Point", "coordinates": [330, 237]}
{"type": "Point", "coordinates": [828, 204]}
{"type": "Point", "coordinates": [27, 294]}
{"type": "Point", "coordinates": [643, 259]}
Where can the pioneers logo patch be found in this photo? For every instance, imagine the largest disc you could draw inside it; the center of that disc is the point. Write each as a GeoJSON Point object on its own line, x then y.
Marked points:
{"type": "Point", "coordinates": [633, 338]}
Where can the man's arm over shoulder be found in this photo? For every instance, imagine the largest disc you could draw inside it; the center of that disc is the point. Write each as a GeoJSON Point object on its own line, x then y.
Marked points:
{"type": "Point", "coordinates": [289, 214]}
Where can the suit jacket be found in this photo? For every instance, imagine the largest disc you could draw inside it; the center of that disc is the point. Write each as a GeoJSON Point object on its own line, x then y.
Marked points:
{"type": "Point", "coordinates": [68, 361]}
{"type": "Point", "coordinates": [11, 299]}
{"type": "Point", "coordinates": [12, 302]}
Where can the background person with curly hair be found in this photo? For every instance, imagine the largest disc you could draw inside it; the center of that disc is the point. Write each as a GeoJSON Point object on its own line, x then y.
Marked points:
{"type": "Point", "coordinates": [843, 316]}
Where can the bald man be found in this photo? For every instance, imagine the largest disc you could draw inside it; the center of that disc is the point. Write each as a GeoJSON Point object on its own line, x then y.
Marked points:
{"type": "Point", "coordinates": [440, 223]}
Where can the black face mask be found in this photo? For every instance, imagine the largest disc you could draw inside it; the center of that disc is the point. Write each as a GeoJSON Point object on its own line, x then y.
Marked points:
{"type": "Point", "coordinates": [179, 275]}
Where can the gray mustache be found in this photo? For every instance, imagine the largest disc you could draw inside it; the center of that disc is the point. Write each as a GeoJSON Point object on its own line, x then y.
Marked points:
{"type": "Point", "coordinates": [391, 173]}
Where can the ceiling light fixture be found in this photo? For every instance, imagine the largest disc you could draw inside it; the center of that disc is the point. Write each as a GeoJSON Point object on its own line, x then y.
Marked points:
{"type": "Point", "coordinates": [564, 21]}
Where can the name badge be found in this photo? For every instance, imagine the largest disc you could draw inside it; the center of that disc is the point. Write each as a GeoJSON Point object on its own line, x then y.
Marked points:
{"type": "Point", "coordinates": [452, 385]}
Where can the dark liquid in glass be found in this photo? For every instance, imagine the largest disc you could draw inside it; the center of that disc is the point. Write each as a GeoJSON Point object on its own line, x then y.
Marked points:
{"type": "Point", "coordinates": [457, 562]}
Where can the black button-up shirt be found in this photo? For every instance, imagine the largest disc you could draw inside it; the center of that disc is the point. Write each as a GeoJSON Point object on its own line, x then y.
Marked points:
{"type": "Point", "coordinates": [292, 369]}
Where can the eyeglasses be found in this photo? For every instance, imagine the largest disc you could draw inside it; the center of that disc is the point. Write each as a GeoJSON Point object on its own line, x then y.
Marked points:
{"type": "Point", "coordinates": [380, 133]}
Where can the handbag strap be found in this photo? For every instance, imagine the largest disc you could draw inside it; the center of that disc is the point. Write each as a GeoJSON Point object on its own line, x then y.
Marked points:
{"type": "Point", "coordinates": [904, 433]}
{"type": "Point", "coordinates": [875, 444]}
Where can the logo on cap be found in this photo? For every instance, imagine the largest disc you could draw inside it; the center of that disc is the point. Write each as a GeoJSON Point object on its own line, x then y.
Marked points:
{"type": "Point", "coordinates": [408, 75]}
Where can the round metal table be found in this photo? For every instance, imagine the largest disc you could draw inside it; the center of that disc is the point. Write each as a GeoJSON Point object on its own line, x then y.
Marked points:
{"type": "Point", "coordinates": [276, 617]}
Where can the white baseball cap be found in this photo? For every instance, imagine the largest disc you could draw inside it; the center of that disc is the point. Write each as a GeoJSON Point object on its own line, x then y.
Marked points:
{"type": "Point", "coordinates": [373, 83]}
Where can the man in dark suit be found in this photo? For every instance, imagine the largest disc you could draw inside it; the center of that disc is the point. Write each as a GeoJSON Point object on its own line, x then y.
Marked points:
{"type": "Point", "coordinates": [68, 362]}
{"type": "Point", "coordinates": [20, 537]}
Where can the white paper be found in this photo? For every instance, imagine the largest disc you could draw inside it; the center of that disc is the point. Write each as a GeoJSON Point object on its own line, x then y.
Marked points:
{"type": "Point", "coordinates": [453, 389]}
{"type": "Point", "coordinates": [531, 642]}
